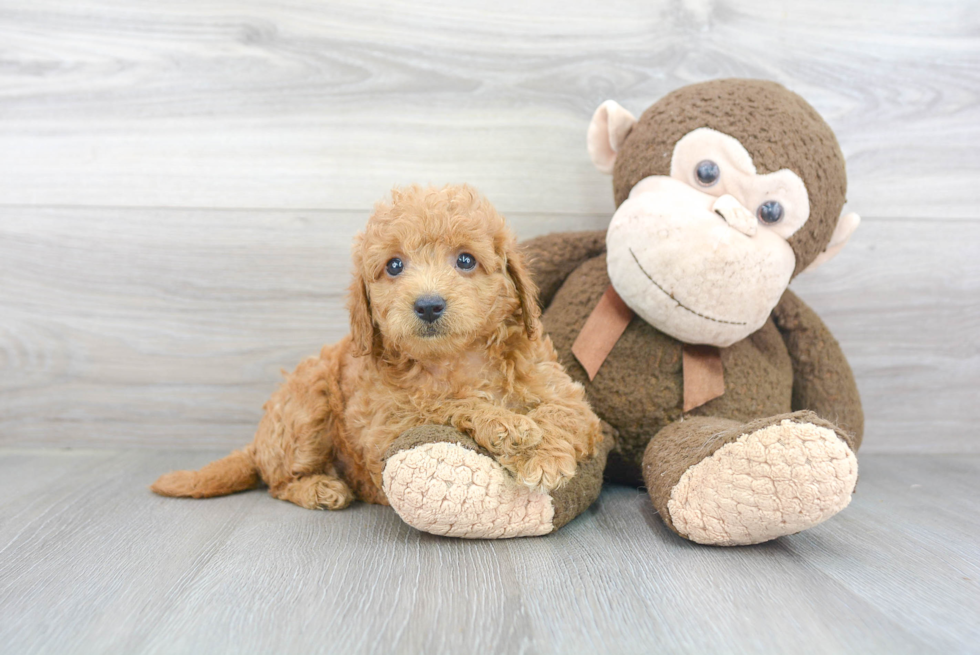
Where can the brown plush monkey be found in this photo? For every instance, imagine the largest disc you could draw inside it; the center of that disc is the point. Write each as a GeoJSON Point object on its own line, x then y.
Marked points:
{"type": "Point", "coordinates": [728, 396]}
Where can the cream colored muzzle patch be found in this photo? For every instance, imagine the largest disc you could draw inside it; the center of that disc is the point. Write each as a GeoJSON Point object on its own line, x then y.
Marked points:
{"type": "Point", "coordinates": [776, 481]}
{"type": "Point", "coordinates": [446, 489]}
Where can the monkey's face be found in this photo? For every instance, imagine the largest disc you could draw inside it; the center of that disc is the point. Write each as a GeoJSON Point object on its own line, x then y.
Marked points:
{"type": "Point", "coordinates": [726, 190]}
{"type": "Point", "coordinates": [702, 254]}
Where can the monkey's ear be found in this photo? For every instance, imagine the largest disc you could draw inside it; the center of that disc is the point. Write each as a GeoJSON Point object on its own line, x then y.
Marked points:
{"type": "Point", "coordinates": [842, 233]}
{"type": "Point", "coordinates": [607, 131]}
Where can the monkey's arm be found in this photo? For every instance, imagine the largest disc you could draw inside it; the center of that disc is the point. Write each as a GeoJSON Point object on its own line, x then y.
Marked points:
{"type": "Point", "coordinates": [553, 257]}
{"type": "Point", "coordinates": [822, 378]}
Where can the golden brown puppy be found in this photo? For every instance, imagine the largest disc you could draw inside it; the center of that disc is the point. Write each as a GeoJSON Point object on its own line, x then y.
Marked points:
{"type": "Point", "coordinates": [444, 331]}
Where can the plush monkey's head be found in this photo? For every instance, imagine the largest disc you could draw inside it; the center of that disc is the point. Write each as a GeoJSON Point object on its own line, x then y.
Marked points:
{"type": "Point", "coordinates": [725, 191]}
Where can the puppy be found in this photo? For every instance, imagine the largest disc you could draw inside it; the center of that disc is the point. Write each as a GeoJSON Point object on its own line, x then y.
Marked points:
{"type": "Point", "coordinates": [445, 331]}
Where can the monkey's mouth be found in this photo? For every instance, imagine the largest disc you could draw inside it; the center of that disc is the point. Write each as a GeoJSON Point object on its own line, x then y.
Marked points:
{"type": "Point", "coordinates": [679, 303]}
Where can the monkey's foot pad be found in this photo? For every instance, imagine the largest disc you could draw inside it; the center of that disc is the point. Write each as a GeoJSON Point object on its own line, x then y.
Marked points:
{"type": "Point", "coordinates": [776, 481]}
{"type": "Point", "coordinates": [447, 489]}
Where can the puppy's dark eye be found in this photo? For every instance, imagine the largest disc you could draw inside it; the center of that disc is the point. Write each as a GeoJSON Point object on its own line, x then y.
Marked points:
{"type": "Point", "coordinates": [466, 262]}
{"type": "Point", "coordinates": [770, 212]}
{"type": "Point", "coordinates": [707, 172]}
{"type": "Point", "coordinates": [394, 266]}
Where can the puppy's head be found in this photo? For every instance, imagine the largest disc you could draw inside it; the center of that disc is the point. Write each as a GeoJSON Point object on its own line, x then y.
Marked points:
{"type": "Point", "coordinates": [434, 271]}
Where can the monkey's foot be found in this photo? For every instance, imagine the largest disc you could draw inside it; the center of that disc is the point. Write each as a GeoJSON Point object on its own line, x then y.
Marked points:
{"type": "Point", "coordinates": [440, 481]}
{"type": "Point", "coordinates": [769, 482]}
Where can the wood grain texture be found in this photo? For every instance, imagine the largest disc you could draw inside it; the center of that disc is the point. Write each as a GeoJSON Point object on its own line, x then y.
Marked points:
{"type": "Point", "coordinates": [170, 327]}
{"type": "Point", "coordinates": [92, 562]}
{"type": "Point", "coordinates": [327, 104]}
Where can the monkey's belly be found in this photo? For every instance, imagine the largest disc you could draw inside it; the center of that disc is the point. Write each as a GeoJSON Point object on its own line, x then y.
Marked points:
{"type": "Point", "coordinates": [639, 388]}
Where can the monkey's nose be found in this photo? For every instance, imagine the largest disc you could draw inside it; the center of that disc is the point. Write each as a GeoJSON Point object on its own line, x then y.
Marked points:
{"type": "Point", "coordinates": [430, 308]}
{"type": "Point", "coordinates": [740, 218]}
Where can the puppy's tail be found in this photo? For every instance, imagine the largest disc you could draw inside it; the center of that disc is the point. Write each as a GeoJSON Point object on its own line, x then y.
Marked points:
{"type": "Point", "coordinates": [236, 472]}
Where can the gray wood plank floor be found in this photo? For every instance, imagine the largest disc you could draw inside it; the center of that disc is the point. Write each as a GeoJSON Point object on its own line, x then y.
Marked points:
{"type": "Point", "coordinates": [92, 562]}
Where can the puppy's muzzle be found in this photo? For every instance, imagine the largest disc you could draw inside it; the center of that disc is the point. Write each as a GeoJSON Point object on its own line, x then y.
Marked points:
{"type": "Point", "coordinates": [430, 308]}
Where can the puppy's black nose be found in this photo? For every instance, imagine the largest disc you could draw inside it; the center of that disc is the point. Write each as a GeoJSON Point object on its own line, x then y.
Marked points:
{"type": "Point", "coordinates": [430, 308]}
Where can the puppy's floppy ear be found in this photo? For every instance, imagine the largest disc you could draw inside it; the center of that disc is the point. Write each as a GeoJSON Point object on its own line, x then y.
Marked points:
{"type": "Point", "coordinates": [527, 291]}
{"type": "Point", "coordinates": [362, 328]}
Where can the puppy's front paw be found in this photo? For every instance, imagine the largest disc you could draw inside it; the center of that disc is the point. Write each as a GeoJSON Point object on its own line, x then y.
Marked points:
{"type": "Point", "coordinates": [504, 433]}
{"type": "Point", "coordinates": [545, 470]}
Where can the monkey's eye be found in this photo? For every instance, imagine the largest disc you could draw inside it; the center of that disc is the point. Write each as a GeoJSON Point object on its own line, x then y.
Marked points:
{"type": "Point", "coordinates": [707, 172]}
{"type": "Point", "coordinates": [770, 212]}
{"type": "Point", "coordinates": [394, 266]}
{"type": "Point", "coordinates": [466, 262]}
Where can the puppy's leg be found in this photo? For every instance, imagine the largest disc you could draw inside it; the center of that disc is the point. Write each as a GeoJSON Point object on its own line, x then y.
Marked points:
{"type": "Point", "coordinates": [295, 448]}
{"type": "Point", "coordinates": [501, 431]}
{"type": "Point", "coordinates": [570, 434]}
{"type": "Point", "coordinates": [294, 445]}
{"type": "Point", "coordinates": [570, 431]}
{"type": "Point", "coordinates": [541, 456]}
{"type": "Point", "coordinates": [542, 448]}
{"type": "Point", "coordinates": [546, 467]}
{"type": "Point", "coordinates": [315, 492]}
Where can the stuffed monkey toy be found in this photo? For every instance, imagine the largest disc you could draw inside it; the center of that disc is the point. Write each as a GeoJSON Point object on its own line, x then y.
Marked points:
{"type": "Point", "coordinates": [727, 396]}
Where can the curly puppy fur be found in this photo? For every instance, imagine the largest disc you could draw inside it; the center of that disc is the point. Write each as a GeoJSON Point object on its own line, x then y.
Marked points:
{"type": "Point", "coordinates": [482, 367]}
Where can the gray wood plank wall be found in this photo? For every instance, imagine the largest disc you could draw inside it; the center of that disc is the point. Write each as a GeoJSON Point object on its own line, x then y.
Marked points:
{"type": "Point", "coordinates": [179, 183]}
